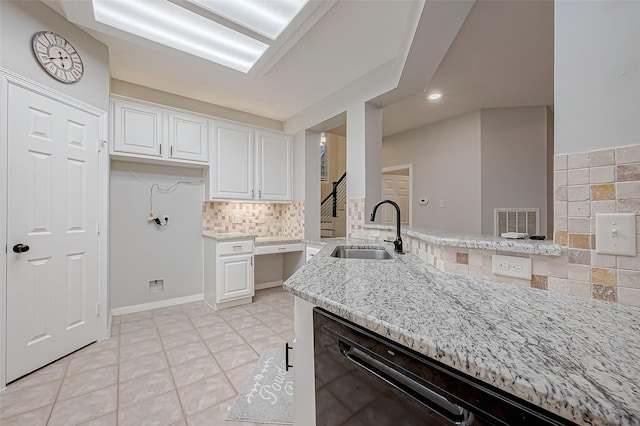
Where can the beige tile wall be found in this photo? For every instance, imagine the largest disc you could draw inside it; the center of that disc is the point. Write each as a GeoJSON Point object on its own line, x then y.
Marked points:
{"type": "Point", "coordinates": [260, 219]}
{"type": "Point", "coordinates": [604, 181]}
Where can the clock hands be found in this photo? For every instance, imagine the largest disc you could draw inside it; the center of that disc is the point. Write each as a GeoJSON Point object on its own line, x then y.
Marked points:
{"type": "Point", "coordinates": [61, 58]}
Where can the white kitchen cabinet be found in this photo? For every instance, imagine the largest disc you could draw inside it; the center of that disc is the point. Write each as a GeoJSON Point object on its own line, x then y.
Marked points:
{"type": "Point", "coordinates": [137, 129]}
{"type": "Point", "coordinates": [231, 171]}
{"type": "Point", "coordinates": [249, 164]}
{"type": "Point", "coordinates": [273, 166]}
{"type": "Point", "coordinates": [228, 272]}
{"type": "Point", "coordinates": [155, 133]}
{"type": "Point", "coordinates": [188, 139]}
{"type": "Point", "coordinates": [304, 401]}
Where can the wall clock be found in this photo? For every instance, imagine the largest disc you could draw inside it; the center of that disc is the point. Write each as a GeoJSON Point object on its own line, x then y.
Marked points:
{"type": "Point", "coordinates": [58, 57]}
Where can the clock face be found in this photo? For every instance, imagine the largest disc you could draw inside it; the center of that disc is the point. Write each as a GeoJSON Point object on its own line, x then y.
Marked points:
{"type": "Point", "coordinates": [58, 57]}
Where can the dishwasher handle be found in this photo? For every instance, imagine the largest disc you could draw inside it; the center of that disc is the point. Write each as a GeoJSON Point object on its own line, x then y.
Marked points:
{"type": "Point", "coordinates": [406, 385]}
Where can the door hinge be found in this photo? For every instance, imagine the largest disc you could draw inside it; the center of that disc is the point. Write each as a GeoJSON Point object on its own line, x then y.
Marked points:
{"type": "Point", "coordinates": [98, 227]}
{"type": "Point", "coordinates": [171, 151]}
{"type": "Point", "coordinates": [101, 143]}
{"type": "Point", "coordinates": [97, 309]}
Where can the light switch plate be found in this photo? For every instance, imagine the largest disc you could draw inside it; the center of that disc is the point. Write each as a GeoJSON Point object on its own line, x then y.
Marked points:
{"type": "Point", "coordinates": [616, 233]}
{"type": "Point", "coordinates": [511, 266]}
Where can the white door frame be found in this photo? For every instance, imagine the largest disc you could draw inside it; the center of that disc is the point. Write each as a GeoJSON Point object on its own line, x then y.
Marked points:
{"type": "Point", "coordinates": [8, 78]}
{"type": "Point", "coordinates": [403, 167]}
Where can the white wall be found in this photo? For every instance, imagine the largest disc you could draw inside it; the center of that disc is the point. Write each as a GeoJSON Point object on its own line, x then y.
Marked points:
{"type": "Point", "coordinates": [597, 75]}
{"type": "Point", "coordinates": [20, 20]}
{"type": "Point", "coordinates": [136, 91]}
{"type": "Point", "coordinates": [140, 251]}
{"type": "Point", "coordinates": [311, 143]}
{"type": "Point", "coordinates": [513, 162]}
{"type": "Point", "coordinates": [446, 166]}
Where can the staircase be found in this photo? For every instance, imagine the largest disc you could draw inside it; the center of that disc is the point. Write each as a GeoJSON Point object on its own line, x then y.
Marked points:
{"type": "Point", "coordinates": [332, 209]}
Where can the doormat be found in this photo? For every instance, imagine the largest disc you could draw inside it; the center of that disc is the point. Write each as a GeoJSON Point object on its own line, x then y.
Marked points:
{"type": "Point", "coordinates": [268, 395]}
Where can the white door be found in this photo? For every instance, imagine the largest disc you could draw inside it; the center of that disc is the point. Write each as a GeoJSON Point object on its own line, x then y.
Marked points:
{"type": "Point", "coordinates": [395, 188]}
{"type": "Point", "coordinates": [188, 137]}
{"type": "Point", "coordinates": [231, 170]}
{"type": "Point", "coordinates": [274, 167]}
{"type": "Point", "coordinates": [235, 277]}
{"type": "Point", "coordinates": [52, 208]}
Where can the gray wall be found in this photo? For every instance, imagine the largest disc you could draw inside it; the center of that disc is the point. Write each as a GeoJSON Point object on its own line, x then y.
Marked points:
{"type": "Point", "coordinates": [446, 166]}
{"type": "Point", "coordinates": [597, 75]}
{"type": "Point", "coordinates": [140, 251]}
{"type": "Point", "coordinates": [513, 162]}
{"type": "Point", "coordinates": [20, 20]}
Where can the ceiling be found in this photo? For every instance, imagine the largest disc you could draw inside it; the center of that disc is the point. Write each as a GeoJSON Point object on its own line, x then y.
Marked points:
{"type": "Point", "coordinates": [502, 56]}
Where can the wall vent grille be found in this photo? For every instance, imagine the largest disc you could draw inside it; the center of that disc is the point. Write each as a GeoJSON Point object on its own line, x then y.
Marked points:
{"type": "Point", "coordinates": [517, 220]}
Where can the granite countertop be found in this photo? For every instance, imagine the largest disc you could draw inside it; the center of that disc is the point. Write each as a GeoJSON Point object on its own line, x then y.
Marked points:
{"type": "Point", "coordinates": [579, 358]}
{"type": "Point", "coordinates": [267, 241]}
{"type": "Point", "coordinates": [227, 236]}
{"type": "Point", "coordinates": [475, 241]}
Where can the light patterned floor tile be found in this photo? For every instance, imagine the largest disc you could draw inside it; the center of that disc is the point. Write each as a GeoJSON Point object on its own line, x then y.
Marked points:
{"type": "Point", "coordinates": [176, 326]}
{"type": "Point", "coordinates": [89, 381]}
{"type": "Point", "coordinates": [37, 417]}
{"type": "Point", "coordinates": [204, 394]}
{"type": "Point", "coordinates": [137, 316]}
{"type": "Point", "coordinates": [92, 361]}
{"type": "Point", "coordinates": [135, 391]}
{"type": "Point", "coordinates": [137, 336]}
{"type": "Point", "coordinates": [244, 322]}
{"type": "Point", "coordinates": [137, 350]}
{"type": "Point", "coordinates": [206, 320]}
{"type": "Point", "coordinates": [85, 407]}
{"type": "Point", "coordinates": [127, 327]}
{"type": "Point", "coordinates": [111, 343]}
{"type": "Point", "coordinates": [275, 341]}
{"type": "Point", "coordinates": [142, 366]}
{"type": "Point", "coordinates": [232, 313]}
{"type": "Point", "coordinates": [159, 411]}
{"type": "Point", "coordinates": [210, 331]}
{"type": "Point", "coordinates": [240, 375]}
{"type": "Point", "coordinates": [184, 353]}
{"type": "Point", "coordinates": [256, 332]}
{"type": "Point", "coordinates": [46, 374]}
{"type": "Point", "coordinates": [174, 340]}
{"type": "Point", "coordinates": [224, 341]}
{"type": "Point", "coordinates": [108, 420]}
{"type": "Point", "coordinates": [14, 402]}
{"type": "Point", "coordinates": [195, 370]}
{"type": "Point", "coordinates": [235, 356]}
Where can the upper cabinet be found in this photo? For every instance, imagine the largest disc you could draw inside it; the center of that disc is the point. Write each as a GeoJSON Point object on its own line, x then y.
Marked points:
{"type": "Point", "coordinates": [137, 128]}
{"type": "Point", "coordinates": [148, 131]}
{"type": "Point", "coordinates": [231, 170]}
{"type": "Point", "coordinates": [250, 164]}
{"type": "Point", "coordinates": [273, 166]}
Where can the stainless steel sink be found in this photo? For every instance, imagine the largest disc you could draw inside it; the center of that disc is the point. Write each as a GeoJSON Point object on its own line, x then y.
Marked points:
{"type": "Point", "coordinates": [357, 252]}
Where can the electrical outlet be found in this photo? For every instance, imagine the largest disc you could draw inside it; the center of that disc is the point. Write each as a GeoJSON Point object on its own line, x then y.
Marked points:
{"type": "Point", "coordinates": [511, 266]}
{"type": "Point", "coordinates": [424, 201]}
{"type": "Point", "coordinates": [156, 286]}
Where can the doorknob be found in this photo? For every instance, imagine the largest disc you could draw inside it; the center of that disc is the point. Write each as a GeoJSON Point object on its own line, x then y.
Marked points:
{"type": "Point", "coordinates": [20, 248]}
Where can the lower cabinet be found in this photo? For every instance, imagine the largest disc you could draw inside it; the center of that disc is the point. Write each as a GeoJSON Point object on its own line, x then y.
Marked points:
{"type": "Point", "coordinates": [228, 273]}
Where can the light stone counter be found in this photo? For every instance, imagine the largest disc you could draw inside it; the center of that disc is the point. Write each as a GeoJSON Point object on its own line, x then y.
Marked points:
{"type": "Point", "coordinates": [474, 241]}
{"type": "Point", "coordinates": [579, 358]}
{"type": "Point", "coordinates": [227, 236]}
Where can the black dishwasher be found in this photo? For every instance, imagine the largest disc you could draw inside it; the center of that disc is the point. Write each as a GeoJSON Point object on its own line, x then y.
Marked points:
{"type": "Point", "coordinates": [364, 379]}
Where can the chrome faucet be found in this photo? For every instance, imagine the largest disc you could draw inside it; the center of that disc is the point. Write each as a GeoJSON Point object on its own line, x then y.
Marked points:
{"type": "Point", "coordinates": [398, 241]}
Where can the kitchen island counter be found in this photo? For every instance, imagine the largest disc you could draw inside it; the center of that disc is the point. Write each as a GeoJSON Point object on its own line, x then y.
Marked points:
{"type": "Point", "coordinates": [578, 358]}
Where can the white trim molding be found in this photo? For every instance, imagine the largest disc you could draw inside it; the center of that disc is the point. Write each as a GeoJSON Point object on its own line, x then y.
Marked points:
{"type": "Point", "coordinates": [156, 305]}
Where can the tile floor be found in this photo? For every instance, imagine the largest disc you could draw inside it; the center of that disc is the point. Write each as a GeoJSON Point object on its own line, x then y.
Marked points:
{"type": "Point", "coordinates": [182, 365]}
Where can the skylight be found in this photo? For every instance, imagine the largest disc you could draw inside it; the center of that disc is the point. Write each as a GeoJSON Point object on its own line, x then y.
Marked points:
{"type": "Point", "coordinates": [268, 18]}
{"type": "Point", "coordinates": [166, 23]}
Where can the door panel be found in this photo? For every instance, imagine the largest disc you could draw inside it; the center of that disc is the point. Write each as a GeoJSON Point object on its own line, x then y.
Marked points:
{"type": "Point", "coordinates": [53, 208]}
{"type": "Point", "coordinates": [395, 188]}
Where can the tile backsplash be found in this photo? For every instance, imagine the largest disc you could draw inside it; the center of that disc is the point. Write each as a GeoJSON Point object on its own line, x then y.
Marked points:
{"type": "Point", "coordinates": [260, 219]}
{"type": "Point", "coordinates": [603, 181]}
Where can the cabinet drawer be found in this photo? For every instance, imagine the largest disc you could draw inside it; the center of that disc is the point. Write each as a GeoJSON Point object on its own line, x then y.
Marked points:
{"type": "Point", "coordinates": [235, 247]}
{"type": "Point", "coordinates": [278, 248]}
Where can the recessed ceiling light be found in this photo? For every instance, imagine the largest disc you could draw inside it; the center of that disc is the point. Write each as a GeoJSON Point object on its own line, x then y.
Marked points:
{"type": "Point", "coordinates": [174, 26]}
{"type": "Point", "coordinates": [434, 96]}
{"type": "Point", "coordinates": [266, 17]}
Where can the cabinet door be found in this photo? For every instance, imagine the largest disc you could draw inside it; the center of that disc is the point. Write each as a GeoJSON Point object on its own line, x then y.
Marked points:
{"type": "Point", "coordinates": [231, 171]}
{"type": "Point", "coordinates": [188, 137]}
{"type": "Point", "coordinates": [234, 278]}
{"type": "Point", "coordinates": [273, 167]}
{"type": "Point", "coordinates": [137, 129]}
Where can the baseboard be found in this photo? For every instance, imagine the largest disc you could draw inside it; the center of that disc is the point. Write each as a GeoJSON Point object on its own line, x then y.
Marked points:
{"type": "Point", "coordinates": [270, 284]}
{"type": "Point", "coordinates": [156, 305]}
